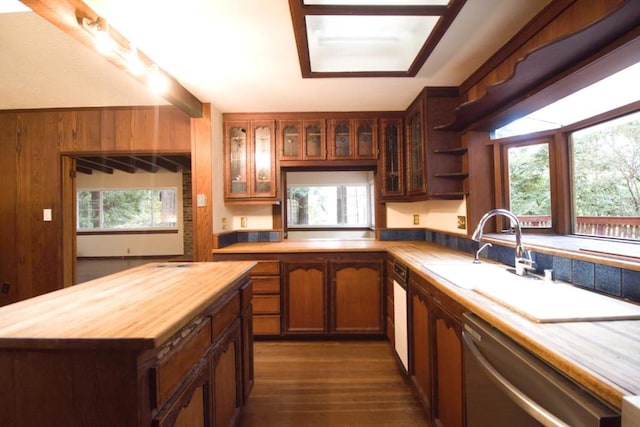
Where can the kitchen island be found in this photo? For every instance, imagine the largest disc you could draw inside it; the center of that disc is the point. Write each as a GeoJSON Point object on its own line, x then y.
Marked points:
{"type": "Point", "coordinates": [603, 356]}
{"type": "Point", "coordinates": [161, 344]}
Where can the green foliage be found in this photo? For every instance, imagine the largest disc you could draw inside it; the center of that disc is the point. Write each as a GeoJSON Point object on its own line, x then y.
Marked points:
{"type": "Point", "coordinates": [607, 171]}
{"type": "Point", "coordinates": [529, 180]}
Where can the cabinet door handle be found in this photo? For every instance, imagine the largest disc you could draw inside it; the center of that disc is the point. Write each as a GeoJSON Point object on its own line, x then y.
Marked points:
{"type": "Point", "coordinates": [516, 395]}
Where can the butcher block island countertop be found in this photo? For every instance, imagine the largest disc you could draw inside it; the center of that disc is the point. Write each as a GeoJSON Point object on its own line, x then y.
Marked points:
{"type": "Point", "coordinates": [141, 307]}
{"type": "Point", "coordinates": [144, 347]}
{"type": "Point", "coordinates": [603, 356]}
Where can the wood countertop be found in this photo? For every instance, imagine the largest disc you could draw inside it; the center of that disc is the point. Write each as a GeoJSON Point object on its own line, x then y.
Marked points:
{"type": "Point", "coordinates": [137, 308]}
{"type": "Point", "coordinates": [603, 356]}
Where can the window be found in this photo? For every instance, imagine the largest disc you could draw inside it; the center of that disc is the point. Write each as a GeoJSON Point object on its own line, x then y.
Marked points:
{"type": "Point", "coordinates": [329, 200]}
{"type": "Point", "coordinates": [606, 178]}
{"type": "Point", "coordinates": [126, 209]}
{"type": "Point", "coordinates": [530, 184]}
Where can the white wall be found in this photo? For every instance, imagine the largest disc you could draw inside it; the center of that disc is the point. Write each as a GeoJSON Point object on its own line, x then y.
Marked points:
{"type": "Point", "coordinates": [132, 244]}
{"type": "Point", "coordinates": [439, 215]}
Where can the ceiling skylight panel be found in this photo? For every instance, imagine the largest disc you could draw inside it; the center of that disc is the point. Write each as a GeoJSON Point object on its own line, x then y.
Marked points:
{"type": "Point", "coordinates": [349, 43]}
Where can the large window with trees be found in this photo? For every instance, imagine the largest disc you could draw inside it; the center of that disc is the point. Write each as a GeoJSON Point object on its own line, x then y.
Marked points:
{"type": "Point", "coordinates": [606, 178]}
{"type": "Point", "coordinates": [126, 209]}
{"type": "Point", "coordinates": [573, 167]}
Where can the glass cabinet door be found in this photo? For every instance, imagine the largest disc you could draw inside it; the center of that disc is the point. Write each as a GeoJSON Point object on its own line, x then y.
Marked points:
{"type": "Point", "coordinates": [416, 179]}
{"type": "Point", "coordinates": [290, 140]}
{"type": "Point", "coordinates": [237, 149]}
{"type": "Point", "coordinates": [366, 139]}
{"type": "Point", "coordinates": [315, 145]}
{"type": "Point", "coordinates": [392, 160]}
{"type": "Point", "coordinates": [263, 159]}
{"type": "Point", "coordinates": [340, 139]}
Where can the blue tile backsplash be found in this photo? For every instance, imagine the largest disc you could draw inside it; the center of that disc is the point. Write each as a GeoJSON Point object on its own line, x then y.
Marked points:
{"type": "Point", "coordinates": [615, 281]}
{"type": "Point", "coordinates": [608, 279]}
{"type": "Point", "coordinates": [584, 274]}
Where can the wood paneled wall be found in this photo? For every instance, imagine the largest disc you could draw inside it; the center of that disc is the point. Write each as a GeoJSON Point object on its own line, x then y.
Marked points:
{"type": "Point", "coordinates": [565, 17]}
{"type": "Point", "coordinates": [34, 253]}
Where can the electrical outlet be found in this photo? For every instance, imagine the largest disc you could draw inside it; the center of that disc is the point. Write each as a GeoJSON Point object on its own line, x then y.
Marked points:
{"type": "Point", "coordinates": [416, 219]}
{"type": "Point", "coordinates": [462, 222]}
{"type": "Point", "coordinates": [224, 223]}
{"type": "Point", "coordinates": [243, 221]}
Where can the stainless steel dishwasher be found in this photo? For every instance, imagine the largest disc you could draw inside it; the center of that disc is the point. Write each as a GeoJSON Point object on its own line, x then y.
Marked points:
{"type": "Point", "coordinates": [505, 385]}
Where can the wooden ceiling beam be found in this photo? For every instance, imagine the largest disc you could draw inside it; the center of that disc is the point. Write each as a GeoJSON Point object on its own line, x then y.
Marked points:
{"type": "Point", "coordinates": [160, 161]}
{"type": "Point", "coordinates": [65, 15]}
{"type": "Point", "coordinates": [84, 170]}
{"type": "Point", "coordinates": [105, 161]}
{"type": "Point", "coordinates": [184, 161]}
{"type": "Point", "coordinates": [95, 166]}
{"type": "Point", "coordinates": [138, 164]}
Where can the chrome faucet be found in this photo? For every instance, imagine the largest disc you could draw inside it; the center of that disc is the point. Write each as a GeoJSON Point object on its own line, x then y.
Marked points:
{"type": "Point", "coordinates": [523, 261]}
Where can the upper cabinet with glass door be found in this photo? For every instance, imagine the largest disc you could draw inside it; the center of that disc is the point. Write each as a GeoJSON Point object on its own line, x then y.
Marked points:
{"type": "Point", "coordinates": [391, 163]}
{"type": "Point", "coordinates": [353, 139]}
{"type": "Point", "coordinates": [250, 160]}
{"type": "Point", "coordinates": [302, 140]}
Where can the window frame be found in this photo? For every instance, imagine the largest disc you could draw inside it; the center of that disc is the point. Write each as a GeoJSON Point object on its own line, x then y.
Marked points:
{"type": "Point", "coordinates": [137, 230]}
{"type": "Point", "coordinates": [560, 167]}
{"type": "Point", "coordinates": [307, 227]}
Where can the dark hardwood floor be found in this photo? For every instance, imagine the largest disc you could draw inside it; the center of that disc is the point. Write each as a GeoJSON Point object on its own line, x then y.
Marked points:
{"type": "Point", "coordinates": [330, 384]}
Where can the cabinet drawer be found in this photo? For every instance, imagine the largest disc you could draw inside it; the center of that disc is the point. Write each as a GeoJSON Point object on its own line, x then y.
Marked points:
{"type": "Point", "coordinates": [266, 324]}
{"type": "Point", "coordinates": [178, 356]}
{"type": "Point", "coordinates": [266, 304]}
{"type": "Point", "coordinates": [266, 285]}
{"type": "Point", "coordinates": [266, 268]}
{"type": "Point", "coordinates": [225, 316]}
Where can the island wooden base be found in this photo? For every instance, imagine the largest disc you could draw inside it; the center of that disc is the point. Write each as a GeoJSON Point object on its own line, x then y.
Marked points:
{"type": "Point", "coordinates": [200, 375]}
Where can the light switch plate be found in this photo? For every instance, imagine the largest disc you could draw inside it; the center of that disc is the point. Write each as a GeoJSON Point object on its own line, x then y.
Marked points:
{"type": "Point", "coordinates": [201, 201]}
{"type": "Point", "coordinates": [46, 214]}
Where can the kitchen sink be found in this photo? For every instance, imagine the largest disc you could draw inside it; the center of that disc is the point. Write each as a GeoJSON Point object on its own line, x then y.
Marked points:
{"type": "Point", "coordinates": [538, 300]}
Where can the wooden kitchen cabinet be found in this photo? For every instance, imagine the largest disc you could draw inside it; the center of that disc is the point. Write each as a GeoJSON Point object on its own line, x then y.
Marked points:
{"type": "Point", "coordinates": [435, 345]}
{"type": "Point", "coordinates": [305, 294]}
{"type": "Point", "coordinates": [314, 139]}
{"type": "Point", "coordinates": [227, 377]}
{"type": "Point", "coordinates": [353, 139]}
{"type": "Point", "coordinates": [391, 165]}
{"type": "Point", "coordinates": [302, 140]}
{"type": "Point", "coordinates": [341, 139]}
{"type": "Point", "coordinates": [433, 157]}
{"type": "Point", "coordinates": [266, 302]}
{"type": "Point", "coordinates": [448, 360]}
{"type": "Point", "coordinates": [366, 138]}
{"type": "Point", "coordinates": [357, 292]}
{"type": "Point", "coordinates": [181, 364]}
{"type": "Point", "coordinates": [420, 347]}
{"type": "Point", "coordinates": [250, 160]}
{"type": "Point", "coordinates": [338, 295]}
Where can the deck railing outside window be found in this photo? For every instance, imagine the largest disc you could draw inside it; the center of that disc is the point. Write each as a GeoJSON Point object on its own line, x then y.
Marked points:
{"type": "Point", "coordinates": [618, 227]}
